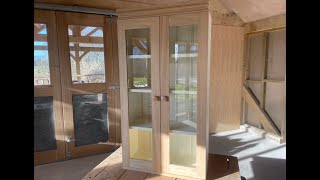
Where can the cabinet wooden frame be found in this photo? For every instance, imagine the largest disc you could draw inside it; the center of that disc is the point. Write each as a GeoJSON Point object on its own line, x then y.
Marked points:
{"type": "Point", "coordinates": [153, 24]}
{"type": "Point", "coordinates": [200, 19]}
{"type": "Point", "coordinates": [159, 28]}
{"type": "Point", "coordinates": [69, 89]}
{"type": "Point", "coordinates": [54, 89]}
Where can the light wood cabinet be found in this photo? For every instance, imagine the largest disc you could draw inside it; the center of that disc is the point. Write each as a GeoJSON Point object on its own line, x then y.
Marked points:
{"type": "Point", "coordinates": [164, 65]}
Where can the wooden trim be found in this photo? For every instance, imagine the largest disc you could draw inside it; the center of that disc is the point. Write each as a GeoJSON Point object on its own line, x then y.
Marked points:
{"type": "Point", "coordinates": [160, 10]}
{"type": "Point", "coordinates": [92, 149]}
{"type": "Point", "coordinates": [264, 73]}
{"type": "Point", "coordinates": [275, 22]}
{"type": "Point", "coordinates": [266, 81]}
{"type": "Point", "coordinates": [45, 157]}
{"type": "Point", "coordinates": [226, 19]}
{"type": "Point", "coordinates": [164, 71]}
{"type": "Point", "coordinates": [153, 24]}
{"type": "Point", "coordinates": [88, 88]}
{"type": "Point", "coordinates": [43, 91]}
{"type": "Point", "coordinates": [262, 133]}
{"type": "Point", "coordinates": [116, 81]}
{"type": "Point", "coordinates": [69, 89]}
{"type": "Point", "coordinates": [48, 17]}
{"type": "Point", "coordinates": [267, 123]}
{"type": "Point", "coordinates": [267, 30]}
{"type": "Point", "coordinates": [202, 20]}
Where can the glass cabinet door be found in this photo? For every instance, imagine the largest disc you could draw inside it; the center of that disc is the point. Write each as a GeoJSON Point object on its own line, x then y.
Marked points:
{"type": "Point", "coordinates": [140, 96]}
{"type": "Point", "coordinates": [183, 56]}
{"type": "Point", "coordinates": [183, 94]}
{"type": "Point", "coordinates": [139, 93]}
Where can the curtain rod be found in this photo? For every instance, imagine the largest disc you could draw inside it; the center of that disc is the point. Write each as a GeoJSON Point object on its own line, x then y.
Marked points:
{"type": "Point", "coordinates": [74, 9]}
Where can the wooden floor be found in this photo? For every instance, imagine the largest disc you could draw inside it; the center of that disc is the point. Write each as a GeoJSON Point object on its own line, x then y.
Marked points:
{"type": "Point", "coordinates": [111, 169]}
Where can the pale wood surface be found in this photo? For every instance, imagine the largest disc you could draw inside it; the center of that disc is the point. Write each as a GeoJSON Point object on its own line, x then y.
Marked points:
{"type": "Point", "coordinates": [266, 61]}
{"type": "Point", "coordinates": [161, 10]}
{"type": "Point", "coordinates": [153, 24]}
{"type": "Point", "coordinates": [275, 22]}
{"type": "Point", "coordinates": [111, 168]}
{"type": "Point", "coordinates": [267, 123]}
{"type": "Point", "coordinates": [226, 77]}
{"type": "Point", "coordinates": [276, 55]}
{"type": "Point", "coordinates": [251, 115]}
{"type": "Point", "coordinates": [202, 21]}
{"type": "Point", "coordinates": [275, 102]}
{"type": "Point", "coordinates": [253, 10]}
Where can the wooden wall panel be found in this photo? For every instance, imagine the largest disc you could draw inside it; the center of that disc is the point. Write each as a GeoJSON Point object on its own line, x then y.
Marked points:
{"type": "Point", "coordinates": [256, 55]}
{"type": "Point", "coordinates": [251, 114]}
{"type": "Point", "coordinates": [276, 55]}
{"type": "Point", "coordinates": [226, 77]}
{"type": "Point", "coordinates": [252, 117]}
{"type": "Point", "coordinates": [274, 102]}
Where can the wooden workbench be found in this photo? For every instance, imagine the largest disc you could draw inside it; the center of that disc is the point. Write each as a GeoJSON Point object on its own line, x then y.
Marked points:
{"type": "Point", "coordinates": [111, 169]}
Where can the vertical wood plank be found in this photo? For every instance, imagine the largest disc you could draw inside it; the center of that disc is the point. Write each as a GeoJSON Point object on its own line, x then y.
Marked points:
{"type": "Point", "coordinates": [164, 71]}
{"type": "Point", "coordinates": [226, 77]}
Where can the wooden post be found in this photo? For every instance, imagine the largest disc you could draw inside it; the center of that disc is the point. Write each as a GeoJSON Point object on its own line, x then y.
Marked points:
{"type": "Point", "coordinates": [76, 33]}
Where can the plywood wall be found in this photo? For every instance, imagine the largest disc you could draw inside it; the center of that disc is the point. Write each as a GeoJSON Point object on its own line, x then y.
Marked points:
{"type": "Point", "coordinates": [226, 77]}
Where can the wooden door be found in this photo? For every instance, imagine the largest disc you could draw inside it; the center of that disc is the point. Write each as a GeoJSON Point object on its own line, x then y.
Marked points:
{"type": "Point", "coordinates": [184, 66]}
{"type": "Point", "coordinates": [86, 57]}
{"type": "Point", "coordinates": [49, 143]}
{"type": "Point", "coordinates": [140, 93]}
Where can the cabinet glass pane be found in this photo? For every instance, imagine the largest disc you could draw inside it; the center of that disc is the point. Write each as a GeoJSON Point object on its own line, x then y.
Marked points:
{"type": "Point", "coordinates": [139, 93]}
{"type": "Point", "coordinates": [86, 54]}
{"type": "Point", "coordinates": [90, 118]}
{"type": "Point", "coordinates": [41, 56]}
{"type": "Point", "coordinates": [183, 94]}
{"type": "Point", "coordinates": [44, 135]}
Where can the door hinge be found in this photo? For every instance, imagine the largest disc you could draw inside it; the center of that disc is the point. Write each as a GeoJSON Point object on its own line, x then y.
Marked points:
{"type": "Point", "coordinates": [114, 87]}
{"type": "Point", "coordinates": [110, 20]}
{"type": "Point", "coordinates": [68, 140]}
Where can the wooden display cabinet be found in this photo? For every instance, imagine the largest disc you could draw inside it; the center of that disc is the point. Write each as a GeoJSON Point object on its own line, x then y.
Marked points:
{"type": "Point", "coordinates": [164, 64]}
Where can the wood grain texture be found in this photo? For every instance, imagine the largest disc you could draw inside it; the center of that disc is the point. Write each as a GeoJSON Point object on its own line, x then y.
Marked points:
{"type": "Point", "coordinates": [256, 56]}
{"type": "Point", "coordinates": [253, 10]}
{"type": "Point", "coordinates": [226, 19]}
{"type": "Point", "coordinates": [276, 55]}
{"type": "Point", "coordinates": [226, 77]}
{"type": "Point", "coordinates": [275, 103]}
{"type": "Point", "coordinates": [267, 123]}
{"type": "Point", "coordinates": [202, 21]}
{"type": "Point", "coordinates": [114, 158]}
{"type": "Point", "coordinates": [116, 81]}
{"type": "Point", "coordinates": [116, 4]}
{"type": "Point", "coordinates": [275, 22]}
{"type": "Point", "coordinates": [153, 24]}
{"type": "Point", "coordinates": [256, 90]}
{"type": "Point", "coordinates": [69, 89]}
{"type": "Point", "coordinates": [49, 18]}
{"type": "Point", "coordinates": [160, 11]}
{"type": "Point", "coordinates": [111, 169]}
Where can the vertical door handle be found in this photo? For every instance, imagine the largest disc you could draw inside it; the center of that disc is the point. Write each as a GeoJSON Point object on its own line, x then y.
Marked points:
{"type": "Point", "coordinates": [156, 98]}
{"type": "Point", "coordinates": [164, 98]}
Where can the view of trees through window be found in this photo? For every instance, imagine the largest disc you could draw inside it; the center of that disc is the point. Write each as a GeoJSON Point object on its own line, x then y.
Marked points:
{"type": "Point", "coordinates": [41, 59]}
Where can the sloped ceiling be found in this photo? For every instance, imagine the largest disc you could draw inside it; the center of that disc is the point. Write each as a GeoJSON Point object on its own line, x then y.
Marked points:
{"type": "Point", "coordinates": [247, 10]}
{"type": "Point", "coordinates": [253, 10]}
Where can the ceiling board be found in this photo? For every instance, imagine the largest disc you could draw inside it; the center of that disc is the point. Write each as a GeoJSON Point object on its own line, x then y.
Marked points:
{"type": "Point", "coordinates": [253, 10]}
